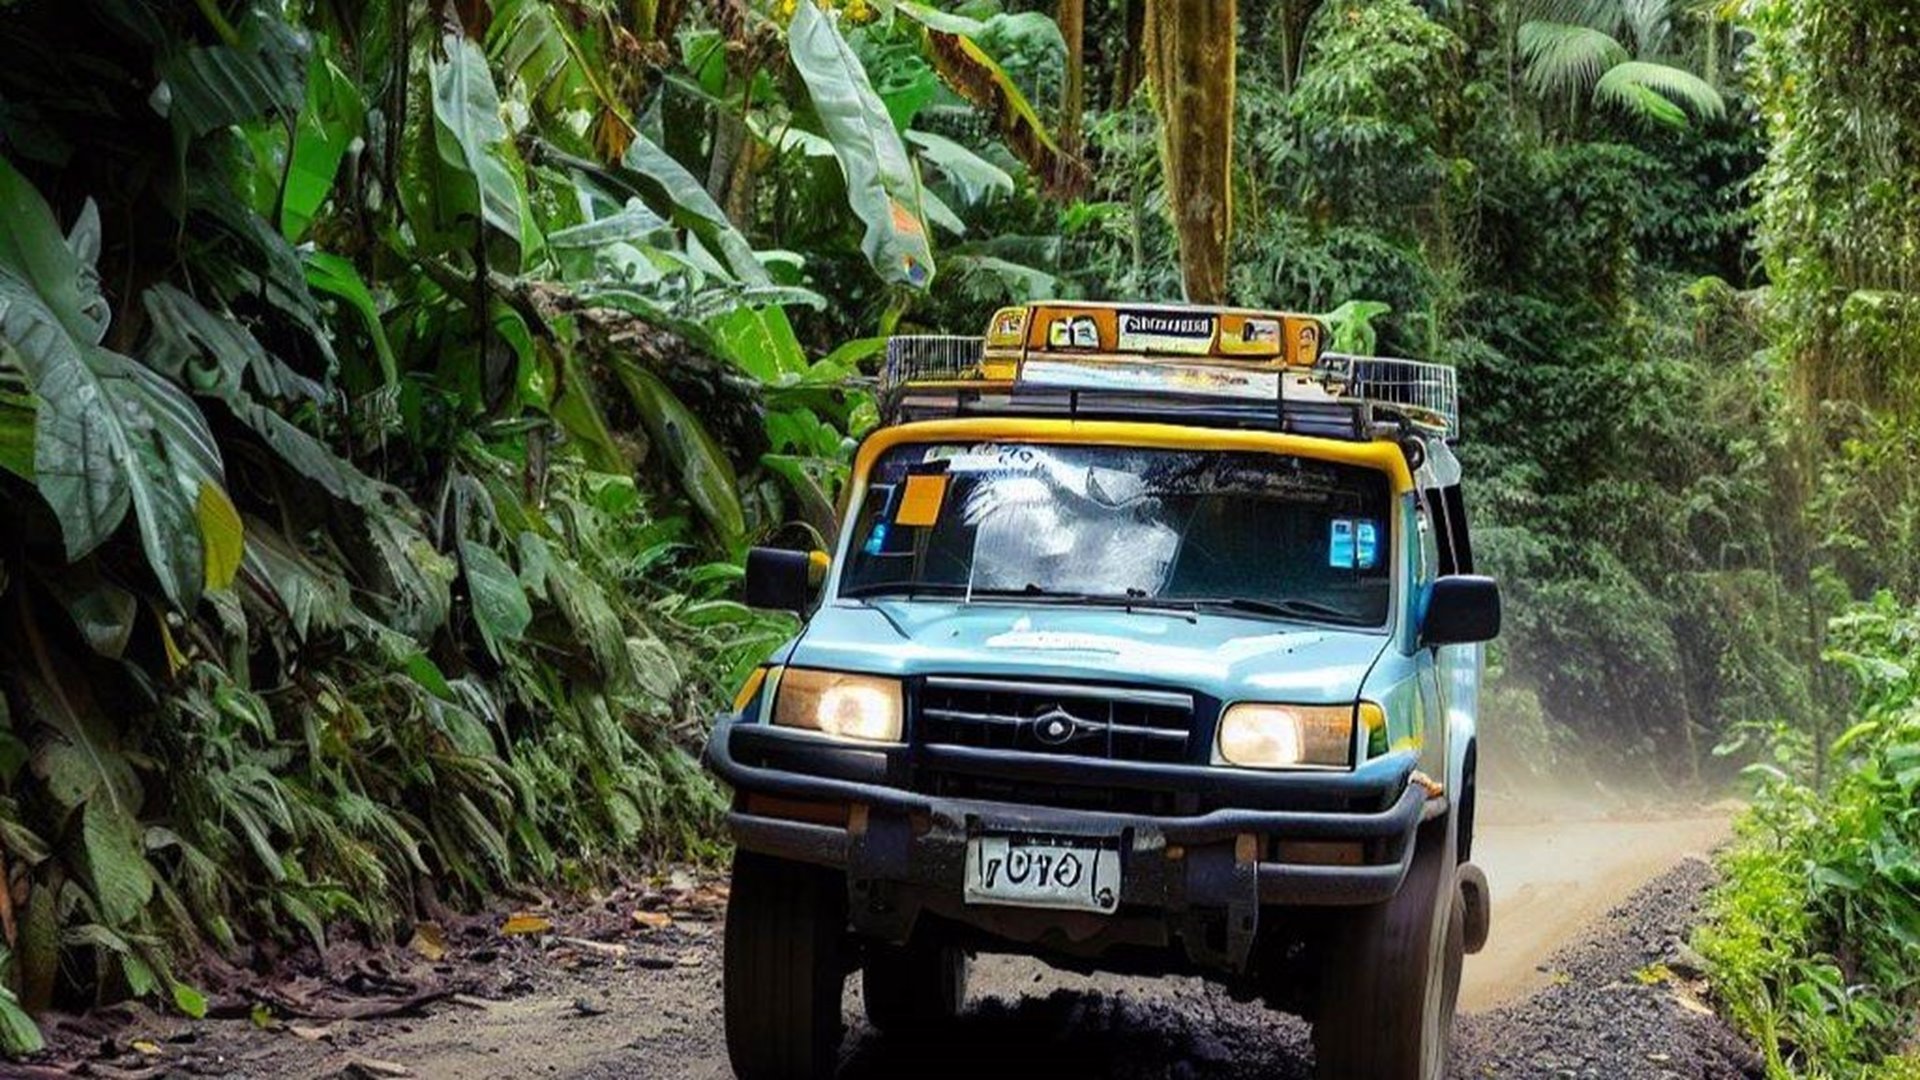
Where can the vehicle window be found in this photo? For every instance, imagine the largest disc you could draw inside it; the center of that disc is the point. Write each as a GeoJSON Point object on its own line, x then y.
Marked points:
{"type": "Point", "coordinates": [1268, 534]}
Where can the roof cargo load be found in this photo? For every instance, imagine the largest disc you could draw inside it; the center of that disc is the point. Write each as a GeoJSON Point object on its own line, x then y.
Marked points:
{"type": "Point", "coordinates": [1207, 366]}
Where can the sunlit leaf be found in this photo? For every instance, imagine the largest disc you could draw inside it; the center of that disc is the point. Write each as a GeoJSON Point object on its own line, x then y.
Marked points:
{"type": "Point", "coordinates": [882, 187]}
{"type": "Point", "coordinates": [1659, 93]}
{"type": "Point", "coordinates": [328, 123]}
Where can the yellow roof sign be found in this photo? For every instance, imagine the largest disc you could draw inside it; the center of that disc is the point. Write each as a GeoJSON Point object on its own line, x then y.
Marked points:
{"type": "Point", "coordinates": [1063, 330]}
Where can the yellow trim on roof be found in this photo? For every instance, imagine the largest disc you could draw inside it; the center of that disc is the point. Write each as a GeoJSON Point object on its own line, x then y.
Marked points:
{"type": "Point", "coordinates": [1382, 455]}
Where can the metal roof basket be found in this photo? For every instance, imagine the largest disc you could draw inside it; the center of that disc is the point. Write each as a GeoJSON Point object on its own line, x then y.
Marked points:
{"type": "Point", "coordinates": [1339, 397]}
{"type": "Point", "coordinates": [930, 357]}
{"type": "Point", "coordinates": [1423, 392]}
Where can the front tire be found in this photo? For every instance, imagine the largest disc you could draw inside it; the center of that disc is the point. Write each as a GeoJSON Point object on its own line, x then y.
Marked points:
{"type": "Point", "coordinates": [1390, 984]}
{"type": "Point", "coordinates": [784, 971]}
{"type": "Point", "coordinates": [914, 987]}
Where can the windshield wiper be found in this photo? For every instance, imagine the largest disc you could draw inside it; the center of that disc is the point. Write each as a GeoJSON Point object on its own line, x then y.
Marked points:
{"type": "Point", "coordinates": [1134, 600]}
{"type": "Point", "coordinates": [902, 589]}
{"type": "Point", "coordinates": [1292, 607]}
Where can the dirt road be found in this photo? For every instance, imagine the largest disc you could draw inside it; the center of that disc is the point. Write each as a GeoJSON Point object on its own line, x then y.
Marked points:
{"type": "Point", "coordinates": [1582, 909]}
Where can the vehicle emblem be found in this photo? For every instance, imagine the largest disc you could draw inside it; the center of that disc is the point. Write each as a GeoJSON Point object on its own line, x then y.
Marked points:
{"type": "Point", "coordinates": [1055, 726]}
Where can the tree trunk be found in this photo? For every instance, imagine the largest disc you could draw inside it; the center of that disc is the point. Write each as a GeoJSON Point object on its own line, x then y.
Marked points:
{"type": "Point", "coordinates": [1190, 60]}
{"type": "Point", "coordinates": [1073, 95]}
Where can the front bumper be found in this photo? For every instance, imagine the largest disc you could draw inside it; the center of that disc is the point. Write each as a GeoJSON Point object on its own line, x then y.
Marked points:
{"type": "Point", "coordinates": [905, 850]}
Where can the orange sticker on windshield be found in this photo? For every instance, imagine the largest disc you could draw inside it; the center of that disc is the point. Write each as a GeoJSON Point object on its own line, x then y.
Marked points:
{"type": "Point", "coordinates": [920, 503]}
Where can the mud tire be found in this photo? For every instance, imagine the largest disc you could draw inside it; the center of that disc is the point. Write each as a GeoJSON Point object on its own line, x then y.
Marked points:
{"type": "Point", "coordinates": [784, 972]}
{"type": "Point", "coordinates": [1391, 981]}
{"type": "Point", "coordinates": [917, 987]}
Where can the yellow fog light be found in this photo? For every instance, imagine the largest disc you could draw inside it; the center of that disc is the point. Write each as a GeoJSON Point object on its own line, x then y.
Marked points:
{"type": "Point", "coordinates": [845, 706]}
{"type": "Point", "coordinates": [1286, 736]}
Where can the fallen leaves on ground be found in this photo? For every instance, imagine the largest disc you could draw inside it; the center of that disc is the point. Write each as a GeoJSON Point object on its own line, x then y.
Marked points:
{"type": "Point", "coordinates": [429, 941]}
{"type": "Point", "coordinates": [524, 923]}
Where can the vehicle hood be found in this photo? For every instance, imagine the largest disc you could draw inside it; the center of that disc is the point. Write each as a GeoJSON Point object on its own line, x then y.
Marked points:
{"type": "Point", "coordinates": [1228, 657]}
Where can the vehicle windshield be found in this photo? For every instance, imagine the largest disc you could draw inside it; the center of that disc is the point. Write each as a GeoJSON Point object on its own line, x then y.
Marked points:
{"type": "Point", "coordinates": [1263, 534]}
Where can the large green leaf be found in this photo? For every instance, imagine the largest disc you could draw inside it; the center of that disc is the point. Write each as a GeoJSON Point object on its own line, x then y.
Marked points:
{"type": "Point", "coordinates": [16, 431]}
{"type": "Point", "coordinates": [222, 359]}
{"type": "Point", "coordinates": [337, 277]}
{"type": "Point", "coordinates": [331, 119]}
{"type": "Point", "coordinates": [882, 187]}
{"type": "Point", "coordinates": [760, 341]}
{"type": "Point", "coordinates": [110, 433]}
{"type": "Point", "coordinates": [500, 606]}
{"type": "Point", "coordinates": [469, 172]}
{"type": "Point", "coordinates": [116, 862]}
{"type": "Point", "coordinates": [208, 87]}
{"type": "Point", "coordinates": [532, 41]}
{"type": "Point", "coordinates": [696, 459]}
{"type": "Point", "coordinates": [973, 177]}
{"type": "Point", "coordinates": [579, 415]}
{"type": "Point", "coordinates": [18, 1033]}
{"type": "Point", "coordinates": [690, 207]}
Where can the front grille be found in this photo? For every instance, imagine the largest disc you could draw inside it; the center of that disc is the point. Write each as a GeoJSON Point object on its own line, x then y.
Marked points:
{"type": "Point", "coordinates": [1116, 723]}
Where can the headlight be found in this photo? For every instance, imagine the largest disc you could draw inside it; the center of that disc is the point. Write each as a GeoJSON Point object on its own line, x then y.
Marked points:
{"type": "Point", "coordinates": [1286, 736]}
{"type": "Point", "coordinates": [864, 707]}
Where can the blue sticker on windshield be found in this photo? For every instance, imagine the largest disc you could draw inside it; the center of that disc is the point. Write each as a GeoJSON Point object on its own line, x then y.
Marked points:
{"type": "Point", "coordinates": [1340, 545]}
{"type": "Point", "coordinates": [1366, 545]}
{"type": "Point", "coordinates": [877, 539]}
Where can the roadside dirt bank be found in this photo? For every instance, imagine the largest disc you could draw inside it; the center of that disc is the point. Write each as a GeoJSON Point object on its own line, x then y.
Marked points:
{"type": "Point", "coordinates": [1568, 988]}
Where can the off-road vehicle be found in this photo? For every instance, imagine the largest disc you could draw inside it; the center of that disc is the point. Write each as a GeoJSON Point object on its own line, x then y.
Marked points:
{"type": "Point", "coordinates": [1151, 642]}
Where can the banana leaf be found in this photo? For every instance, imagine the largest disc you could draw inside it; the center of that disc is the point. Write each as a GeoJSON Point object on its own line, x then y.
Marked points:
{"type": "Point", "coordinates": [110, 434]}
{"type": "Point", "coordinates": [973, 74]}
{"type": "Point", "coordinates": [695, 457]}
{"type": "Point", "coordinates": [882, 186]}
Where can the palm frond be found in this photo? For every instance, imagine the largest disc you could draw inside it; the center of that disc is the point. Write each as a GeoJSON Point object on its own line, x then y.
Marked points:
{"type": "Point", "coordinates": [1563, 58]}
{"type": "Point", "coordinates": [1605, 16]}
{"type": "Point", "coordinates": [1649, 25]}
{"type": "Point", "coordinates": [1658, 93]}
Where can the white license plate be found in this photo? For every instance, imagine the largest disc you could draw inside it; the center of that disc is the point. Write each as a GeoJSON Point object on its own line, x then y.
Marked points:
{"type": "Point", "coordinates": [1047, 872]}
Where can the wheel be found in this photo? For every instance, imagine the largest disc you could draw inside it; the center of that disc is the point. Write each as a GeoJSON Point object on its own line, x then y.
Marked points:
{"type": "Point", "coordinates": [913, 987]}
{"type": "Point", "coordinates": [1389, 986]}
{"type": "Point", "coordinates": [784, 969]}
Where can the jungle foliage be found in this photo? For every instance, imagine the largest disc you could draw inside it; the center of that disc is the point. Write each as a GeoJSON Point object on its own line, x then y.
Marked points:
{"type": "Point", "coordinates": [1815, 932]}
{"type": "Point", "coordinates": [388, 387]}
{"type": "Point", "coordinates": [388, 390]}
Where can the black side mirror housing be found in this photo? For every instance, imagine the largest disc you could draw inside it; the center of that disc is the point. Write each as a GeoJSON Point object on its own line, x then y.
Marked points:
{"type": "Point", "coordinates": [779, 580]}
{"type": "Point", "coordinates": [1463, 609]}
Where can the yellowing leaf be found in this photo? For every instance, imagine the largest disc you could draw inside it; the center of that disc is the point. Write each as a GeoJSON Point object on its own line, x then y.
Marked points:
{"type": "Point", "coordinates": [653, 920]}
{"type": "Point", "coordinates": [524, 923]}
{"type": "Point", "coordinates": [429, 942]}
{"type": "Point", "coordinates": [222, 537]}
{"type": "Point", "coordinates": [176, 659]}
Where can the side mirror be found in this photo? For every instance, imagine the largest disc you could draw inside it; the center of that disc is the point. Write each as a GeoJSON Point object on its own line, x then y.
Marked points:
{"type": "Point", "coordinates": [1462, 609]}
{"type": "Point", "coordinates": [779, 580]}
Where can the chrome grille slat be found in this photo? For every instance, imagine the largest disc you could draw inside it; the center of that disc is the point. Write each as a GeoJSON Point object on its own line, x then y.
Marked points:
{"type": "Point", "coordinates": [1070, 719]}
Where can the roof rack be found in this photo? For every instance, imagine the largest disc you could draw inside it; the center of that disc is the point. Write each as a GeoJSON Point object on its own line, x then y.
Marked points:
{"type": "Point", "coordinates": [1338, 396]}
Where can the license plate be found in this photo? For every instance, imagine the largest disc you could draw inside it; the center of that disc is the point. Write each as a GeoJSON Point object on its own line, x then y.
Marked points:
{"type": "Point", "coordinates": [1046, 872]}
